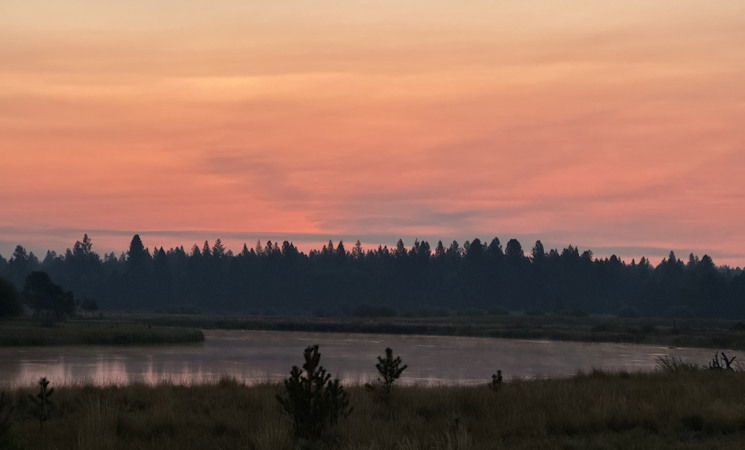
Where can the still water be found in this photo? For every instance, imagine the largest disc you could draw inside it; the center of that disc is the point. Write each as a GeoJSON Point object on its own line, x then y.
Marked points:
{"type": "Point", "coordinates": [260, 356]}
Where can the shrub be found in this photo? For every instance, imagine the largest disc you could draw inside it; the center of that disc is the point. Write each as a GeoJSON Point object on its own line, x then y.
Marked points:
{"type": "Point", "coordinates": [313, 401]}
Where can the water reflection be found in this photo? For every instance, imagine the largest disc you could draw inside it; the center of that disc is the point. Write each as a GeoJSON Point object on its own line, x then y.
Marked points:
{"type": "Point", "coordinates": [262, 356]}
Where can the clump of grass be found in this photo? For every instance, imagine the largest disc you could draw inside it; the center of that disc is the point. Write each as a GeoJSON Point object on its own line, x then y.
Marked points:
{"type": "Point", "coordinates": [672, 364]}
{"type": "Point", "coordinates": [724, 364]}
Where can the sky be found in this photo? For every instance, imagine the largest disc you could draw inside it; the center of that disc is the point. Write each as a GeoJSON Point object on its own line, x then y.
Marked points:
{"type": "Point", "coordinates": [615, 126]}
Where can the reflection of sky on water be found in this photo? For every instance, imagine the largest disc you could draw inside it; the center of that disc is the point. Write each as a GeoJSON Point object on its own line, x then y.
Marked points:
{"type": "Point", "coordinates": [261, 356]}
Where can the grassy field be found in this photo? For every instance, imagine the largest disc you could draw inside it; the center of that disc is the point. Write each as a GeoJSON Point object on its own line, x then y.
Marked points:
{"type": "Point", "coordinates": [685, 410]}
{"type": "Point", "coordinates": [669, 332]}
{"type": "Point", "coordinates": [94, 332]}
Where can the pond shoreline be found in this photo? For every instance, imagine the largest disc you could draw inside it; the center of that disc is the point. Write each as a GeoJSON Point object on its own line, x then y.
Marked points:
{"type": "Point", "coordinates": [257, 356]}
{"type": "Point", "coordinates": [700, 333]}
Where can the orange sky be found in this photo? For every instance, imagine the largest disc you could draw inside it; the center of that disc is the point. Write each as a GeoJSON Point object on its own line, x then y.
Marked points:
{"type": "Point", "coordinates": [618, 127]}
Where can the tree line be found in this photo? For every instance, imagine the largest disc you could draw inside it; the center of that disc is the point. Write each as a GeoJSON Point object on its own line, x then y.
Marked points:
{"type": "Point", "coordinates": [474, 277]}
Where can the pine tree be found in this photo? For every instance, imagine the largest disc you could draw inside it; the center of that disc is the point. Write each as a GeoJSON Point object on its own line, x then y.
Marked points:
{"type": "Point", "coordinates": [218, 250]}
{"type": "Point", "coordinates": [538, 253]}
{"type": "Point", "coordinates": [439, 250]}
{"type": "Point", "coordinates": [357, 252]}
{"type": "Point", "coordinates": [137, 254]}
{"type": "Point", "coordinates": [494, 250]}
{"type": "Point", "coordinates": [514, 250]}
{"type": "Point", "coordinates": [390, 369]}
{"type": "Point", "coordinates": [313, 401]}
{"type": "Point", "coordinates": [42, 403]}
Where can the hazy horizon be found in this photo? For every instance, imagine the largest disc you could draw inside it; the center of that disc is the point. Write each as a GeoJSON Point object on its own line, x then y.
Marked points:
{"type": "Point", "coordinates": [117, 241]}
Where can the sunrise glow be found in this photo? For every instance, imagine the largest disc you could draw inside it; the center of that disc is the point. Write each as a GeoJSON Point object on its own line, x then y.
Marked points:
{"type": "Point", "coordinates": [614, 126]}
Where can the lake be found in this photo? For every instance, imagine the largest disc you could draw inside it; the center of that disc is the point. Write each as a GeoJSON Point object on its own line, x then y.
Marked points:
{"type": "Point", "coordinates": [261, 356]}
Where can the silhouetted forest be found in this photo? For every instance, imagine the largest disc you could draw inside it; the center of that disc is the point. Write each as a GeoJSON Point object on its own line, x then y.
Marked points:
{"type": "Point", "coordinates": [472, 278]}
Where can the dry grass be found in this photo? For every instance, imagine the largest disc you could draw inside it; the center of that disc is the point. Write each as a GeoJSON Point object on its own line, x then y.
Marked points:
{"type": "Point", "coordinates": [692, 409]}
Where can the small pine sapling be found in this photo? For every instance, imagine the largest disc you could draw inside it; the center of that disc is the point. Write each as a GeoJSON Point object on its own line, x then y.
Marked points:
{"type": "Point", "coordinates": [42, 403]}
{"type": "Point", "coordinates": [390, 370]}
{"type": "Point", "coordinates": [313, 401]}
{"type": "Point", "coordinates": [496, 381]}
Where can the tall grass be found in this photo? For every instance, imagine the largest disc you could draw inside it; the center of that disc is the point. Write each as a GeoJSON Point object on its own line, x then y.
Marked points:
{"type": "Point", "coordinates": [686, 409]}
{"type": "Point", "coordinates": [672, 364]}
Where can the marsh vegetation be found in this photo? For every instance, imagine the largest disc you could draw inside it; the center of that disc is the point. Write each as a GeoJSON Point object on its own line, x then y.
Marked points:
{"type": "Point", "coordinates": [685, 409]}
{"type": "Point", "coordinates": [660, 331]}
{"type": "Point", "coordinates": [93, 332]}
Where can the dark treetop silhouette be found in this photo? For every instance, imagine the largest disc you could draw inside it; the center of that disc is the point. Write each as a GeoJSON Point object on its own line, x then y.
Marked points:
{"type": "Point", "coordinates": [475, 276]}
